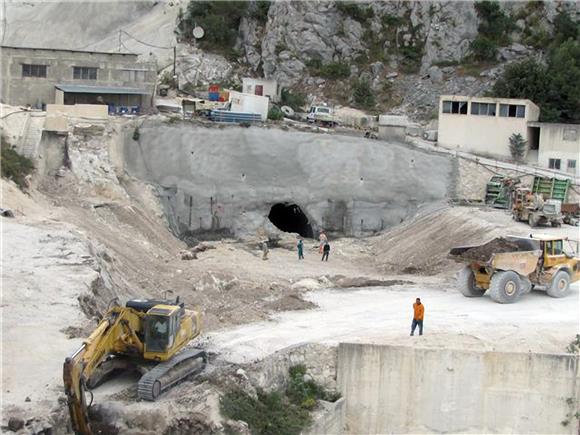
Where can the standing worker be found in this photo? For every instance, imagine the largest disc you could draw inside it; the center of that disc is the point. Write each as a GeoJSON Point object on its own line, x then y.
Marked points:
{"type": "Point", "coordinates": [323, 240]}
{"type": "Point", "coordinates": [265, 250]}
{"type": "Point", "coordinates": [326, 251]}
{"type": "Point", "coordinates": [418, 314]}
{"type": "Point", "coordinates": [300, 249]}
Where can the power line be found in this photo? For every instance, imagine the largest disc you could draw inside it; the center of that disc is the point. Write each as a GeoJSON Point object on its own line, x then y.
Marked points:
{"type": "Point", "coordinates": [146, 43]}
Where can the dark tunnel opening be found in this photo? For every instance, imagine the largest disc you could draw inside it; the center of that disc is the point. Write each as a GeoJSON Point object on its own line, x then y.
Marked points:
{"type": "Point", "coordinates": [291, 219]}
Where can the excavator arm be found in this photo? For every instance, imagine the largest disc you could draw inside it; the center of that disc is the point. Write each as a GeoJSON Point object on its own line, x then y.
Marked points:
{"type": "Point", "coordinates": [116, 333]}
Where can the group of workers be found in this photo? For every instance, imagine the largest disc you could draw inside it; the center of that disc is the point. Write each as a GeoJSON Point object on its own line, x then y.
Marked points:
{"type": "Point", "coordinates": [324, 249]}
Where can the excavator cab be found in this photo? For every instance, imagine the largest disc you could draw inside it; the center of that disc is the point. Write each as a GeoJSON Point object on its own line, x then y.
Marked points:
{"type": "Point", "coordinates": [161, 327]}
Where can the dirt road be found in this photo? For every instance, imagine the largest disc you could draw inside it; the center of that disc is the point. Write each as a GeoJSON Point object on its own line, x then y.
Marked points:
{"type": "Point", "coordinates": [536, 323]}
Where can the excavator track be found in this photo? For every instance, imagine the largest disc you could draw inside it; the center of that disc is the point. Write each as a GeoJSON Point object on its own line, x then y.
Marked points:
{"type": "Point", "coordinates": [166, 374]}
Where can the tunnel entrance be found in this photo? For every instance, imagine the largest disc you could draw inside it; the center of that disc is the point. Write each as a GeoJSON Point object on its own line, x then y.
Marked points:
{"type": "Point", "coordinates": [291, 219]}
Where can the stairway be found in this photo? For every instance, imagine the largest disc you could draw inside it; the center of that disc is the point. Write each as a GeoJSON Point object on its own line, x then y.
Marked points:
{"type": "Point", "coordinates": [32, 134]}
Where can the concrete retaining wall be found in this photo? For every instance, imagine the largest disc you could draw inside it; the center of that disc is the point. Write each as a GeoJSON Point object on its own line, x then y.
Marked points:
{"type": "Point", "coordinates": [329, 420]}
{"type": "Point", "coordinates": [394, 389]}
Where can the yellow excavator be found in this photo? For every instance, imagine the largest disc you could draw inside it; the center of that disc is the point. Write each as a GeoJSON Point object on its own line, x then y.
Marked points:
{"type": "Point", "coordinates": [147, 335]}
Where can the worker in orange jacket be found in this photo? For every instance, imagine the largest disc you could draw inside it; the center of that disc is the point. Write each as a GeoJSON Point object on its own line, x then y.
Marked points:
{"type": "Point", "coordinates": [418, 314]}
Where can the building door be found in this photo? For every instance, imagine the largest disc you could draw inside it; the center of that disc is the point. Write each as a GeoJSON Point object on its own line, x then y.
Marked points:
{"type": "Point", "coordinates": [259, 90]}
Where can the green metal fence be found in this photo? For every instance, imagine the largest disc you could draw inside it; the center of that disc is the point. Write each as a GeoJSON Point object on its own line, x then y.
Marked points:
{"type": "Point", "coordinates": [551, 188]}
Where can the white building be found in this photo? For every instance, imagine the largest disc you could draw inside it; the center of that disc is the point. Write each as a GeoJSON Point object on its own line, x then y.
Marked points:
{"type": "Point", "coordinates": [559, 146]}
{"type": "Point", "coordinates": [484, 125]}
{"type": "Point", "coordinates": [248, 103]}
{"type": "Point", "coordinates": [262, 87]}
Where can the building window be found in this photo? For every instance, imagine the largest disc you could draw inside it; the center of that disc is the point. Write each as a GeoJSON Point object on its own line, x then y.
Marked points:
{"type": "Point", "coordinates": [457, 107]}
{"type": "Point", "coordinates": [130, 75]}
{"type": "Point", "coordinates": [84, 73]}
{"type": "Point", "coordinates": [34, 70]}
{"type": "Point", "coordinates": [572, 166]}
{"type": "Point", "coordinates": [554, 164]}
{"type": "Point", "coordinates": [512, 111]}
{"type": "Point", "coordinates": [570, 134]}
{"type": "Point", "coordinates": [486, 109]}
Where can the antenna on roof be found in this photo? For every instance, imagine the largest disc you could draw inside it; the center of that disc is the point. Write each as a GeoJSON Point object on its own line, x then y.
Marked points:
{"type": "Point", "coordinates": [198, 32]}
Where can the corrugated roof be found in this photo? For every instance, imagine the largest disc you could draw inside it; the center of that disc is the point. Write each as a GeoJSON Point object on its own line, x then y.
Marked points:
{"type": "Point", "coordinates": [70, 50]}
{"type": "Point", "coordinates": [83, 89]}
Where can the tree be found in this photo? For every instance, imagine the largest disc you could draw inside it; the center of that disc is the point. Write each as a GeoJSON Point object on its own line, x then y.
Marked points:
{"type": "Point", "coordinates": [493, 30]}
{"type": "Point", "coordinates": [518, 147]}
{"type": "Point", "coordinates": [362, 93]}
{"type": "Point", "coordinates": [553, 87]}
{"type": "Point", "coordinates": [564, 72]}
{"type": "Point", "coordinates": [220, 20]}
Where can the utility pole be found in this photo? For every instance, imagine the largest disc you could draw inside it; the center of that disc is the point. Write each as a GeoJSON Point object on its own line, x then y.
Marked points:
{"type": "Point", "coordinates": [174, 65]}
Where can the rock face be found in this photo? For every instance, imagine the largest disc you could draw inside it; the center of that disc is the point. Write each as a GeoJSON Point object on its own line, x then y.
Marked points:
{"type": "Point", "coordinates": [342, 184]}
{"type": "Point", "coordinates": [202, 68]}
{"type": "Point", "coordinates": [299, 31]}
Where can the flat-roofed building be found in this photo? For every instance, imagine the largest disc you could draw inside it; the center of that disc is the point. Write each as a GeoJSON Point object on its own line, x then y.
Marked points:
{"type": "Point", "coordinates": [41, 76]}
{"type": "Point", "coordinates": [559, 146]}
{"type": "Point", "coordinates": [484, 125]}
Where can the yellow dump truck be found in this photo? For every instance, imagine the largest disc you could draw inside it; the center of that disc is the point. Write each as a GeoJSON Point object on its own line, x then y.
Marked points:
{"type": "Point", "coordinates": [509, 267]}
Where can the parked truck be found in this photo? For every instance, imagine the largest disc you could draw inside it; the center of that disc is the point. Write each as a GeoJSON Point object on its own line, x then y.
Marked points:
{"type": "Point", "coordinates": [322, 115]}
{"type": "Point", "coordinates": [532, 208]}
{"type": "Point", "coordinates": [509, 267]}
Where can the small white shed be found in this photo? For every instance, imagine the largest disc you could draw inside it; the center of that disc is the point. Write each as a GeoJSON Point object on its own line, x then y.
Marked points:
{"type": "Point", "coordinates": [262, 87]}
{"type": "Point", "coordinates": [248, 103]}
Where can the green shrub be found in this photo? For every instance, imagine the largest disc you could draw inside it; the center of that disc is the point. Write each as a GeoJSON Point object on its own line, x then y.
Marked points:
{"type": "Point", "coordinates": [306, 392]}
{"type": "Point", "coordinates": [363, 95]}
{"type": "Point", "coordinates": [259, 11]}
{"type": "Point", "coordinates": [275, 114]}
{"type": "Point", "coordinates": [14, 166]}
{"type": "Point", "coordinates": [483, 49]}
{"type": "Point", "coordinates": [335, 70]}
{"type": "Point", "coordinates": [494, 24]}
{"type": "Point", "coordinates": [277, 413]}
{"type": "Point", "coordinates": [375, 45]}
{"type": "Point", "coordinates": [565, 29]}
{"type": "Point", "coordinates": [330, 71]}
{"type": "Point", "coordinates": [444, 63]}
{"type": "Point", "coordinates": [268, 414]}
{"type": "Point", "coordinates": [412, 55]}
{"type": "Point", "coordinates": [354, 11]}
{"type": "Point", "coordinates": [295, 100]}
{"type": "Point", "coordinates": [574, 346]}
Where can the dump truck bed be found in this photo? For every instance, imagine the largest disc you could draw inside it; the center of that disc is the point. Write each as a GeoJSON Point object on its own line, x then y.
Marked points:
{"type": "Point", "coordinates": [502, 253]}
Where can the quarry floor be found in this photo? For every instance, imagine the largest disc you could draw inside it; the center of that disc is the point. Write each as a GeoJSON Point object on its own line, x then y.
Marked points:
{"type": "Point", "coordinates": [63, 259]}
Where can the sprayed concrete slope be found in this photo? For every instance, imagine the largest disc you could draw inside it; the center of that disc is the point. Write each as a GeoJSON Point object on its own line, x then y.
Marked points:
{"type": "Point", "coordinates": [350, 185]}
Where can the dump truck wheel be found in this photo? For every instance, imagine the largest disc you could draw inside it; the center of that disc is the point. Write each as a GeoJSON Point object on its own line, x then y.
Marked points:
{"type": "Point", "coordinates": [505, 287]}
{"type": "Point", "coordinates": [527, 285]}
{"type": "Point", "coordinates": [466, 283]}
{"type": "Point", "coordinates": [560, 286]}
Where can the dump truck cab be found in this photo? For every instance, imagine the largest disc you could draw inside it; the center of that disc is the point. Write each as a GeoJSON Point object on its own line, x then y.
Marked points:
{"type": "Point", "coordinates": [557, 254]}
{"type": "Point", "coordinates": [512, 266]}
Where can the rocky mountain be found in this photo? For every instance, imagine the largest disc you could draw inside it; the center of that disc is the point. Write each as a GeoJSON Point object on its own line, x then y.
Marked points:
{"type": "Point", "coordinates": [408, 52]}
